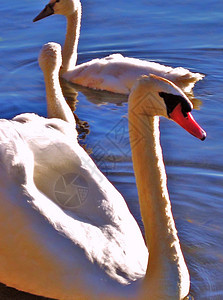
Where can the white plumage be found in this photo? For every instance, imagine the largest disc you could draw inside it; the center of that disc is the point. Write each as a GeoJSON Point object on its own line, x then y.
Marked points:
{"type": "Point", "coordinates": [66, 232]}
{"type": "Point", "coordinates": [114, 73]}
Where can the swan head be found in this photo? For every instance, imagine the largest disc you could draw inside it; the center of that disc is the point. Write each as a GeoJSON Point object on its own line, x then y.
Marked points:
{"type": "Point", "coordinates": [156, 96]}
{"type": "Point", "coordinates": [50, 58]}
{"type": "Point", "coordinates": [60, 7]}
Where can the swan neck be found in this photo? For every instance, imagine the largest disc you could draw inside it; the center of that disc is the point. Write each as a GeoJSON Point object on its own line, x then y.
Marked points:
{"type": "Point", "coordinates": [167, 272]}
{"type": "Point", "coordinates": [56, 104]}
{"type": "Point", "coordinates": [151, 180]}
{"type": "Point", "coordinates": [69, 52]}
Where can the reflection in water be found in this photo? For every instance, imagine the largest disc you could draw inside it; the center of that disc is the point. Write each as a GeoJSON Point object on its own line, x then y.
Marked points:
{"type": "Point", "coordinates": [104, 97]}
{"type": "Point", "coordinates": [100, 97]}
{"type": "Point", "coordinates": [71, 95]}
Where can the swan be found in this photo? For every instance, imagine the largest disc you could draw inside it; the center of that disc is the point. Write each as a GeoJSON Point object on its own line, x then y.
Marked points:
{"type": "Point", "coordinates": [114, 73]}
{"type": "Point", "coordinates": [66, 232]}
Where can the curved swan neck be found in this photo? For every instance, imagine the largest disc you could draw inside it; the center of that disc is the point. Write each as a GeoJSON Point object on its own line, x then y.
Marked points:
{"type": "Point", "coordinates": [69, 52]}
{"type": "Point", "coordinates": [167, 273]}
{"type": "Point", "coordinates": [151, 182]}
{"type": "Point", "coordinates": [56, 104]}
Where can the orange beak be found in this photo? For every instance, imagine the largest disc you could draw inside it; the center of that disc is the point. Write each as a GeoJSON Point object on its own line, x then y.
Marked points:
{"type": "Point", "coordinates": [187, 122]}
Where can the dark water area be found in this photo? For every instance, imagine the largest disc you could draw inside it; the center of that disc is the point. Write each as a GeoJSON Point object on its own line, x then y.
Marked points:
{"type": "Point", "coordinates": [175, 33]}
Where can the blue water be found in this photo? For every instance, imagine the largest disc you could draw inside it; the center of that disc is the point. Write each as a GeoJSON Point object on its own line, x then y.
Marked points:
{"type": "Point", "coordinates": [176, 33]}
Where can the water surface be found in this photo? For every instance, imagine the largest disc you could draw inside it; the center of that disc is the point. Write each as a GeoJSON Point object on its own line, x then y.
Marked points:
{"type": "Point", "coordinates": [175, 33]}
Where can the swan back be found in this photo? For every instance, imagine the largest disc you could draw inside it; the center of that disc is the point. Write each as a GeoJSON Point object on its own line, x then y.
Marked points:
{"type": "Point", "coordinates": [116, 73]}
{"type": "Point", "coordinates": [45, 172]}
{"type": "Point", "coordinates": [40, 158]}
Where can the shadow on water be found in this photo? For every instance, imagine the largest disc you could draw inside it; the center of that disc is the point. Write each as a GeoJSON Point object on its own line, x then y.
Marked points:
{"type": "Point", "coordinates": [7, 293]}
{"type": "Point", "coordinates": [71, 95]}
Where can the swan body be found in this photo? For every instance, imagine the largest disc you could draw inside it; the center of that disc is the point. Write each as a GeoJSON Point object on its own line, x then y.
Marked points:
{"type": "Point", "coordinates": [54, 250]}
{"type": "Point", "coordinates": [114, 73]}
{"type": "Point", "coordinates": [66, 232]}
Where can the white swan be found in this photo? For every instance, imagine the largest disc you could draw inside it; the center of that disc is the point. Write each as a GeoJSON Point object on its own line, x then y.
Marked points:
{"type": "Point", "coordinates": [113, 73]}
{"type": "Point", "coordinates": [66, 232]}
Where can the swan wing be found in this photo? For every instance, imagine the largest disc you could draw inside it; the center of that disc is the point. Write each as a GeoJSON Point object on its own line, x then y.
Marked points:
{"type": "Point", "coordinates": [69, 246]}
{"type": "Point", "coordinates": [116, 73]}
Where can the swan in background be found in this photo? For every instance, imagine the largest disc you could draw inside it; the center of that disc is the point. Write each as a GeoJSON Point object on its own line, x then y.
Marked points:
{"type": "Point", "coordinates": [66, 232]}
{"type": "Point", "coordinates": [114, 73]}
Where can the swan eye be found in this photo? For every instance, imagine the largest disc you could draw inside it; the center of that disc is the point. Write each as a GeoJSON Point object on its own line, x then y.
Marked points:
{"type": "Point", "coordinates": [171, 102]}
